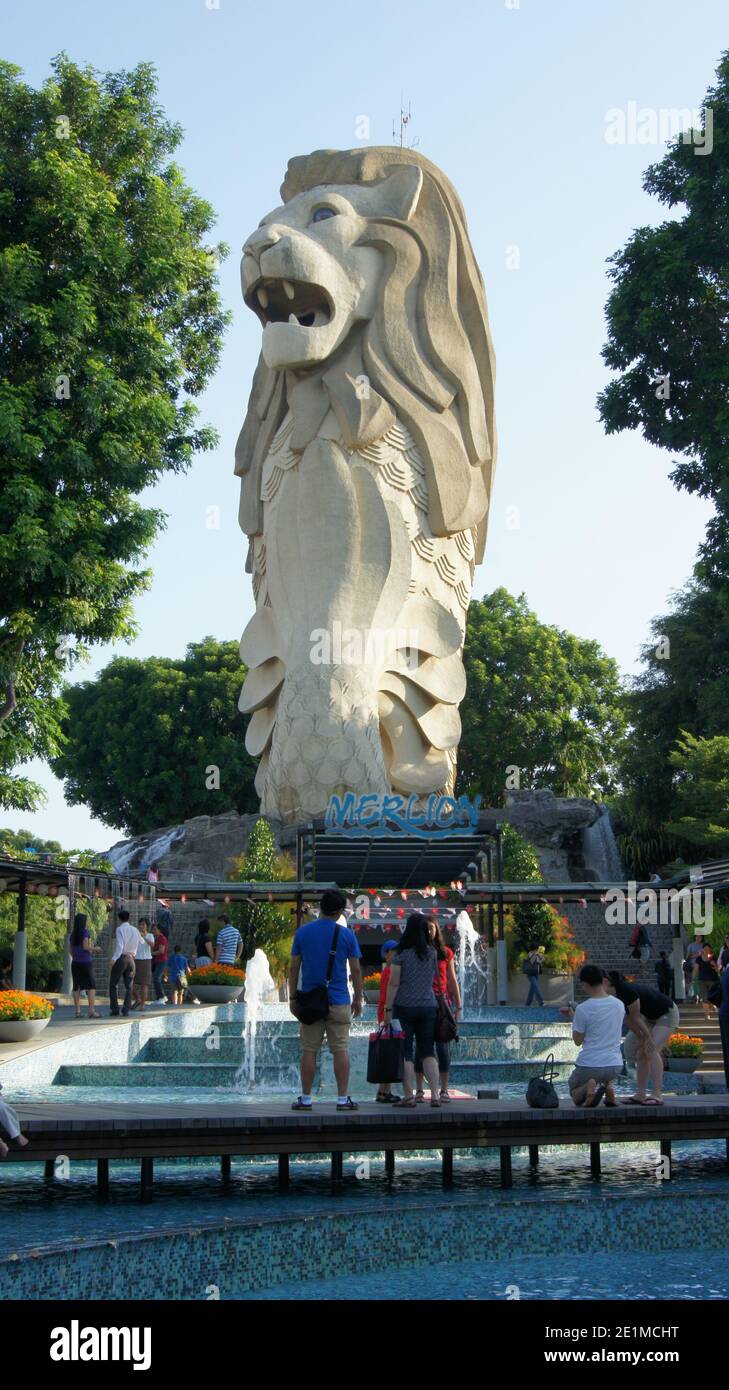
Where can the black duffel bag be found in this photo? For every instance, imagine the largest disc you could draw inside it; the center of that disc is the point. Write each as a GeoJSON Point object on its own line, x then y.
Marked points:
{"type": "Point", "coordinates": [385, 1056]}
{"type": "Point", "coordinates": [541, 1094]}
{"type": "Point", "coordinates": [312, 1005]}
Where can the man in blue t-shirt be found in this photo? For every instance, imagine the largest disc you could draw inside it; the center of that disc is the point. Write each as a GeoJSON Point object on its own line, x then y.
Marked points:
{"type": "Point", "coordinates": [310, 956]}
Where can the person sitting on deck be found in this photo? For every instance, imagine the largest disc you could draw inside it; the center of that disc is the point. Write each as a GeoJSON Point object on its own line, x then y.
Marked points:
{"type": "Point", "coordinates": [9, 1122]}
{"type": "Point", "coordinates": [597, 1026]}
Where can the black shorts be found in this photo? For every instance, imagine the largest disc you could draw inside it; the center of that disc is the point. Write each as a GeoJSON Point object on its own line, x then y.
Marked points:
{"type": "Point", "coordinates": [82, 975]}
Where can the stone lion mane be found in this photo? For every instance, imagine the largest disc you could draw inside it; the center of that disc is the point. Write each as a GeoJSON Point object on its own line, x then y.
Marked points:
{"type": "Point", "coordinates": [436, 374]}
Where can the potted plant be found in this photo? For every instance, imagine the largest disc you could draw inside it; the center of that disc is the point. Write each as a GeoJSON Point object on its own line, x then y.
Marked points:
{"type": "Point", "coordinates": [216, 984]}
{"type": "Point", "coordinates": [684, 1052]}
{"type": "Point", "coordinates": [22, 1015]}
{"type": "Point", "coordinates": [372, 987]}
{"type": "Point", "coordinates": [537, 924]}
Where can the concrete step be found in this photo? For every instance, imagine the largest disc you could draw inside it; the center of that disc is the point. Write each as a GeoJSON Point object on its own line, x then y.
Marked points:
{"type": "Point", "coordinates": [486, 1073]}
{"type": "Point", "coordinates": [182, 1074]}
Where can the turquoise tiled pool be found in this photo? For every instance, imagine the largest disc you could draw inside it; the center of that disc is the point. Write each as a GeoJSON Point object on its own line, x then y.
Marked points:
{"type": "Point", "coordinates": [555, 1235]}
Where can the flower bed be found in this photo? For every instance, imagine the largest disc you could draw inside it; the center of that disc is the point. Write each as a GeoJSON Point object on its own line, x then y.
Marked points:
{"type": "Point", "coordinates": [20, 1006]}
{"type": "Point", "coordinates": [682, 1045]}
{"type": "Point", "coordinates": [216, 975]}
{"type": "Point", "coordinates": [372, 981]}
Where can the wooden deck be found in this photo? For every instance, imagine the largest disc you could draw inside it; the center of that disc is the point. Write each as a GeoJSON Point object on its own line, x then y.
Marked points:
{"type": "Point", "coordinates": [104, 1132]}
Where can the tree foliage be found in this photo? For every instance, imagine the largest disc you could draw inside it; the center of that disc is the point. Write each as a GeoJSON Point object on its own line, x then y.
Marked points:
{"type": "Point", "coordinates": [46, 923]}
{"type": "Point", "coordinates": [111, 325]}
{"type": "Point", "coordinates": [538, 699]}
{"type": "Point", "coordinates": [684, 686]}
{"type": "Point", "coordinates": [667, 317]}
{"type": "Point", "coordinates": [262, 925]}
{"type": "Point", "coordinates": [147, 741]}
{"type": "Point", "coordinates": [701, 805]}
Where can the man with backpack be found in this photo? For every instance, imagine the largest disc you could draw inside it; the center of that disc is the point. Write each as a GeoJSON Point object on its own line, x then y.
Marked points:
{"type": "Point", "coordinates": [319, 994]}
{"type": "Point", "coordinates": [532, 968]}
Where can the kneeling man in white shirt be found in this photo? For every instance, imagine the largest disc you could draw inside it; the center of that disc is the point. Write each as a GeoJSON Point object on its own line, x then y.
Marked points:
{"type": "Point", "coordinates": [597, 1027]}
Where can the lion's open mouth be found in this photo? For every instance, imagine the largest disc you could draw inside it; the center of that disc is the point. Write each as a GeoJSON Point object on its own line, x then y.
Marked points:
{"type": "Point", "coordinates": [289, 301]}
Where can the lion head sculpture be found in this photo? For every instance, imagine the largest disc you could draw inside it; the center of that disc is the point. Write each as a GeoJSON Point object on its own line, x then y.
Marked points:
{"type": "Point", "coordinates": [372, 410]}
{"type": "Point", "coordinates": [388, 272]}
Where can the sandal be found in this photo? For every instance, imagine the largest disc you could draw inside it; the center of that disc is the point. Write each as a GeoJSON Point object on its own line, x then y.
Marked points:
{"type": "Point", "coordinates": [405, 1102]}
{"type": "Point", "coordinates": [597, 1097]}
{"type": "Point", "coordinates": [383, 1097]}
{"type": "Point", "coordinates": [445, 1098]}
{"type": "Point", "coordinates": [420, 1097]}
{"type": "Point", "coordinates": [347, 1104]}
{"type": "Point", "coordinates": [434, 1103]}
{"type": "Point", "coordinates": [299, 1105]}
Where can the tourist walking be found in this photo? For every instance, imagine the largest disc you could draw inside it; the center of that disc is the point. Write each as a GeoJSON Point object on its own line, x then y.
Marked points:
{"type": "Point", "coordinates": [651, 1018]}
{"type": "Point", "coordinates": [164, 919]}
{"type": "Point", "coordinates": [411, 995]}
{"type": "Point", "coordinates": [706, 972]}
{"type": "Point", "coordinates": [532, 968]}
{"type": "Point", "coordinates": [228, 943]}
{"type": "Point", "coordinates": [664, 975]}
{"type": "Point", "coordinates": [387, 953]}
{"type": "Point", "coordinates": [724, 1023]}
{"type": "Point", "coordinates": [10, 1123]}
{"type": "Point", "coordinates": [126, 940]}
{"type": "Point", "coordinates": [597, 1026]}
{"type": "Point", "coordinates": [204, 951]}
{"type": "Point", "coordinates": [143, 964]}
{"type": "Point", "coordinates": [177, 967]}
{"type": "Point", "coordinates": [320, 953]}
{"type": "Point", "coordinates": [446, 983]}
{"type": "Point", "coordinates": [82, 975]}
{"type": "Point", "coordinates": [723, 957]}
{"type": "Point", "coordinates": [160, 953]}
{"type": "Point", "coordinates": [153, 873]}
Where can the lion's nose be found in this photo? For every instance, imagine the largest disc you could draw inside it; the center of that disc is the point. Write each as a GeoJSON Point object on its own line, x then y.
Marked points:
{"type": "Point", "coordinates": [260, 241]}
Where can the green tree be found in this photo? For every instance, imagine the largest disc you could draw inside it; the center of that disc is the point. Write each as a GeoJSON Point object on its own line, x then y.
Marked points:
{"type": "Point", "coordinates": [533, 924]}
{"type": "Point", "coordinates": [111, 324]}
{"type": "Point", "coordinates": [667, 318]}
{"type": "Point", "coordinates": [701, 804]}
{"type": "Point", "coordinates": [684, 685]}
{"type": "Point", "coordinates": [154, 742]}
{"type": "Point", "coordinates": [45, 921]}
{"type": "Point", "coordinates": [539, 699]}
{"type": "Point", "coordinates": [262, 925]}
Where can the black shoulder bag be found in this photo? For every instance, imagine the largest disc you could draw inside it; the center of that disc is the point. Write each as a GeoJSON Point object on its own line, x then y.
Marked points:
{"type": "Point", "coordinates": [541, 1094]}
{"type": "Point", "coordinates": [312, 1005]}
{"type": "Point", "coordinates": [446, 1028]}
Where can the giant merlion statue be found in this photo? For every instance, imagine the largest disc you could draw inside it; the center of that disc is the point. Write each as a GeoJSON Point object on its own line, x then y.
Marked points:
{"type": "Point", "coordinates": [366, 461]}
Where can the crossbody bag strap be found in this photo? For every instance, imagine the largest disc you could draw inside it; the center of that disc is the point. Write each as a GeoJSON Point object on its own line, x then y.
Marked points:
{"type": "Point", "coordinates": [332, 954]}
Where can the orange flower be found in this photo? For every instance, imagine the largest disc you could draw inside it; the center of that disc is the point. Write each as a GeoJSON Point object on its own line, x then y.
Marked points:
{"type": "Point", "coordinates": [19, 1005]}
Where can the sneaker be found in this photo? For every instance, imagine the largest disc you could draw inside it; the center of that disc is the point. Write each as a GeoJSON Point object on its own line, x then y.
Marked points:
{"type": "Point", "coordinates": [347, 1104]}
{"type": "Point", "coordinates": [300, 1104]}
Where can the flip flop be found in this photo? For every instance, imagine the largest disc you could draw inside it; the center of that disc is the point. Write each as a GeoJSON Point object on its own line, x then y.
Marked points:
{"type": "Point", "coordinates": [652, 1100]}
{"type": "Point", "coordinates": [599, 1093]}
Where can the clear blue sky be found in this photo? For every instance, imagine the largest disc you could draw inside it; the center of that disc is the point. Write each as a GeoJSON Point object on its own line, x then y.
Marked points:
{"type": "Point", "coordinates": [511, 103]}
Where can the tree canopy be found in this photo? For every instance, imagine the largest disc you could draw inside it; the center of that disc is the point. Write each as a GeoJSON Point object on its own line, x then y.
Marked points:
{"type": "Point", "coordinates": [111, 324]}
{"type": "Point", "coordinates": [538, 699]}
{"type": "Point", "coordinates": [667, 318]}
{"type": "Point", "coordinates": [262, 925]}
{"type": "Point", "coordinates": [154, 742]}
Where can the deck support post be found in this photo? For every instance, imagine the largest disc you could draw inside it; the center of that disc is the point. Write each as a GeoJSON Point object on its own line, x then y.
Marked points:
{"type": "Point", "coordinates": [447, 1165]}
{"type": "Point", "coordinates": [146, 1176]}
{"type": "Point", "coordinates": [666, 1153]}
{"type": "Point", "coordinates": [533, 1155]}
{"type": "Point", "coordinates": [283, 1170]}
{"type": "Point", "coordinates": [49, 1169]}
{"type": "Point", "coordinates": [102, 1179]}
{"type": "Point", "coordinates": [595, 1160]}
{"type": "Point", "coordinates": [225, 1166]}
{"type": "Point", "coordinates": [337, 1167]}
{"type": "Point", "coordinates": [507, 1179]}
{"type": "Point", "coordinates": [390, 1162]}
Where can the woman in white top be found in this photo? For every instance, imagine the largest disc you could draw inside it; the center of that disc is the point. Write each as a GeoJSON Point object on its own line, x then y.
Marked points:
{"type": "Point", "coordinates": [143, 964]}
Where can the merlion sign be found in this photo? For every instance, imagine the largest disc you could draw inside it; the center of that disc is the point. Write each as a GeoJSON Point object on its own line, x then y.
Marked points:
{"type": "Point", "coordinates": [366, 462]}
{"type": "Point", "coordinates": [427, 818]}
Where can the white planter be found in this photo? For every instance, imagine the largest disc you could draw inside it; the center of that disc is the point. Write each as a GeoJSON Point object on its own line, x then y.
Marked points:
{"type": "Point", "coordinates": [23, 1029]}
{"type": "Point", "coordinates": [217, 994]}
{"type": "Point", "coordinates": [556, 990]}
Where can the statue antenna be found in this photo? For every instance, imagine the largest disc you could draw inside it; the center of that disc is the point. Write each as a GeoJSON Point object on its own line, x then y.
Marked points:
{"type": "Point", "coordinates": [405, 119]}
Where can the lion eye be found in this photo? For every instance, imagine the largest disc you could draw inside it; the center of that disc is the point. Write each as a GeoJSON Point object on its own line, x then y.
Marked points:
{"type": "Point", "coordinates": [320, 214]}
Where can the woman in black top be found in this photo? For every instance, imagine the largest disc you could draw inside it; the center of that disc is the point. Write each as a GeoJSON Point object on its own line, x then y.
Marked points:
{"type": "Point", "coordinates": [651, 1018]}
{"type": "Point", "coordinates": [410, 990]}
{"type": "Point", "coordinates": [203, 944]}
